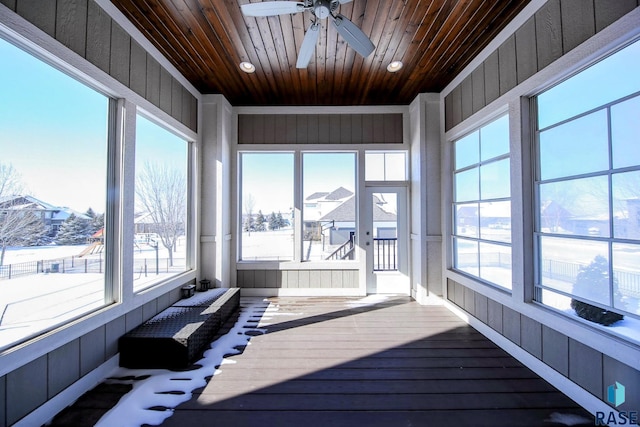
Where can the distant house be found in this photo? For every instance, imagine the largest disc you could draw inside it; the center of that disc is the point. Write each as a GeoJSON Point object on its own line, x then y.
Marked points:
{"type": "Point", "coordinates": [633, 222]}
{"type": "Point", "coordinates": [492, 215]}
{"type": "Point", "coordinates": [146, 228]}
{"type": "Point", "coordinates": [144, 223]}
{"type": "Point", "coordinates": [319, 204]}
{"type": "Point", "coordinates": [341, 220]}
{"type": "Point", "coordinates": [557, 218]}
{"type": "Point", "coordinates": [52, 216]}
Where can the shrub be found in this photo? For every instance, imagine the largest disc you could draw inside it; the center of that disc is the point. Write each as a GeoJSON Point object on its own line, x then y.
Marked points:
{"type": "Point", "coordinates": [594, 280]}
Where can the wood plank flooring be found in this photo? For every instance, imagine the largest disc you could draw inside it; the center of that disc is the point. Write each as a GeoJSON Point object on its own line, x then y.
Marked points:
{"type": "Point", "coordinates": [346, 362]}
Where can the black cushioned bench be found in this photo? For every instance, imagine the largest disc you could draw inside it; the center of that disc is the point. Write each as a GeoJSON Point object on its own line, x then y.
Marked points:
{"type": "Point", "coordinates": [175, 337]}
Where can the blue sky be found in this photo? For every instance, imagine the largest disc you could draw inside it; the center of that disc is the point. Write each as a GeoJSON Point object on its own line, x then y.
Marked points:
{"type": "Point", "coordinates": [269, 177]}
{"type": "Point", "coordinates": [52, 131]}
{"type": "Point", "coordinates": [158, 145]}
{"type": "Point", "coordinates": [606, 81]}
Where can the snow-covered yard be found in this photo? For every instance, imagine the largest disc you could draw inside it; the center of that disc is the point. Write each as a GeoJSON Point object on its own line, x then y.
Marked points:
{"type": "Point", "coordinates": [275, 245]}
{"type": "Point", "coordinates": [278, 245]}
{"type": "Point", "coordinates": [32, 303]}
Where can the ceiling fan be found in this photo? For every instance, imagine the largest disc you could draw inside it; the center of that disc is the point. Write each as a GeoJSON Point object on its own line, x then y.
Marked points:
{"type": "Point", "coordinates": [320, 9]}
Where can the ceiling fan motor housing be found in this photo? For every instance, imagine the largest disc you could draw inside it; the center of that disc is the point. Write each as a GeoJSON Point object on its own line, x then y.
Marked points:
{"type": "Point", "coordinates": [322, 9]}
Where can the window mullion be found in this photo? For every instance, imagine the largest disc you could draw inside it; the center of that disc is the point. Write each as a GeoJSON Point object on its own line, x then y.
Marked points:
{"type": "Point", "coordinates": [297, 206]}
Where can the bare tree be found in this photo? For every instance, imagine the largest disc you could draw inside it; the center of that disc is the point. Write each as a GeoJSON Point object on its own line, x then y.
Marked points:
{"type": "Point", "coordinates": [249, 205]}
{"type": "Point", "coordinates": [162, 191]}
{"type": "Point", "coordinates": [9, 181]}
{"type": "Point", "coordinates": [19, 224]}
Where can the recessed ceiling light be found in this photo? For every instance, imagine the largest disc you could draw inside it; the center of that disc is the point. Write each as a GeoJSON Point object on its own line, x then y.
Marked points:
{"type": "Point", "coordinates": [247, 67]}
{"type": "Point", "coordinates": [394, 66]}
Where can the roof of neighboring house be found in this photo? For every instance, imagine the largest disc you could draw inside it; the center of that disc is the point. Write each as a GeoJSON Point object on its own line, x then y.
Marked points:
{"type": "Point", "coordinates": [347, 212]}
{"type": "Point", "coordinates": [339, 194]}
{"type": "Point", "coordinates": [488, 210]}
{"type": "Point", "coordinates": [18, 201]}
{"type": "Point", "coordinates": [143, 218]}
{"type": "Point", "coordinates": [467, 211]}
{"type": "Point", "coordinates": [64, 213]}
{"type": "Point", "coordinates": [26, 202]}
{"type": "Point", "coordinates": [552, 208]}
{"type": "Point", "coordinates": [318, 195]}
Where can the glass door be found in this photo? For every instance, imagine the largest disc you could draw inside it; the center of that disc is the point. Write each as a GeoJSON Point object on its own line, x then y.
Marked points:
{"type": "Point", "coordinates": [386, 240]}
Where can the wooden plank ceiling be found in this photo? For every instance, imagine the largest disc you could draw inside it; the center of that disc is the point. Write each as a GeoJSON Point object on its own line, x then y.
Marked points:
{"type": "Point", "coordinates": [207, 39]}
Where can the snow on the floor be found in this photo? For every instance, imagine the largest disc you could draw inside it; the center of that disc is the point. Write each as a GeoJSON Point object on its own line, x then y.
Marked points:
{"type": "Point", "coordinates": [152, 400]}
{"type": "Point", "coordinates": [568, 419]}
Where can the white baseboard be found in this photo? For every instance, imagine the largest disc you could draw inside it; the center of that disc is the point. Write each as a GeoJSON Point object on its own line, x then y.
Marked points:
{"type": "Point", "coordinates": [581, 396]}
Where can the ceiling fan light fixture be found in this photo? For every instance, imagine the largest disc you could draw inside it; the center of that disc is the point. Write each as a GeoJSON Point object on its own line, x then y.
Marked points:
{"type": "Point", "coordinates": [247, 67]}
{"type": "Point", "coordinates": [394, 66]}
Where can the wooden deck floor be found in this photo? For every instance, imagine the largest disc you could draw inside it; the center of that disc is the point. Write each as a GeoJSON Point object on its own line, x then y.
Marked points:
{"type": "Point", "coordinates": [335, 362]}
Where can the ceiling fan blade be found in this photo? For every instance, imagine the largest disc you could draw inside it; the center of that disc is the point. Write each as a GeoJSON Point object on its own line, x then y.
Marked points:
{"type": "Point", "coordinates": [354, 36]}
{"type": "Point", "coordinates": [271, 8]}
{"type": "Point", "coordinates": [308, 45]}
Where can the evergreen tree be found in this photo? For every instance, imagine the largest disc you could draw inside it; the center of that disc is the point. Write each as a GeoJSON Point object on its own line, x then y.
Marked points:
{"type": "Point", "coordinates": [273, 222]}
{"type": "Point", "coordinates": [37, 234]}
{"type": "Point", "coordinates": [281, 221]}
{"type": "Point", "coordinates": [593, 280]}
{"type": "Point", "coordinates": [96, 220]}
{"type": "Point", "coordinates": [74, 231]}
{"type": "Point", "coordinates": [260, 222]}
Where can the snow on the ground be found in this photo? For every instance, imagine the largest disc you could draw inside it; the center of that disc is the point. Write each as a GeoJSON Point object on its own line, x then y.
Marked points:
{"type": "Point", "coordinates": [33, 303]}
{"type": "Point", "coordinates": [16, 255]}
{"type": "Point", "coordinates": [628, 328]}
{"type": "Point", "coordinates": [279, 245]}
{"type": "Point", "coordinates": [163, 393]}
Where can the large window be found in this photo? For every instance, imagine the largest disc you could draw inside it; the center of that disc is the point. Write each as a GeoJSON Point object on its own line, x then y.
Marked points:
{"type": "Point", "coordinates": [588, 193]}
{"type": "Point", "coordinates": [482, 205]}
{"type": "Point", "coordinates": [326, 230]}
{"type": "Point", "coordinates": [161, 187]}
{"type": "Point", "coordinates": [329, 210]}
{"type": "Point", "coordinates": [266, 206]}
{"type": "Point", "coordinates": [53, 182]}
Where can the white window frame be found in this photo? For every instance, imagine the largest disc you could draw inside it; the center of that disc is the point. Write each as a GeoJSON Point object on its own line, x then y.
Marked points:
{"type": "Point", "coordinates": [298, 259]}
{"type": "Point", "coordinates": [499, 114]}
{"type": "Point", "coordinates": [610, 171]}
{"type": "Point", "coordinates": [111, 278]}
{"type": "Point", "coordinates": [119, 207]}
{"type": "Point", "coordinates": [191, 178]}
